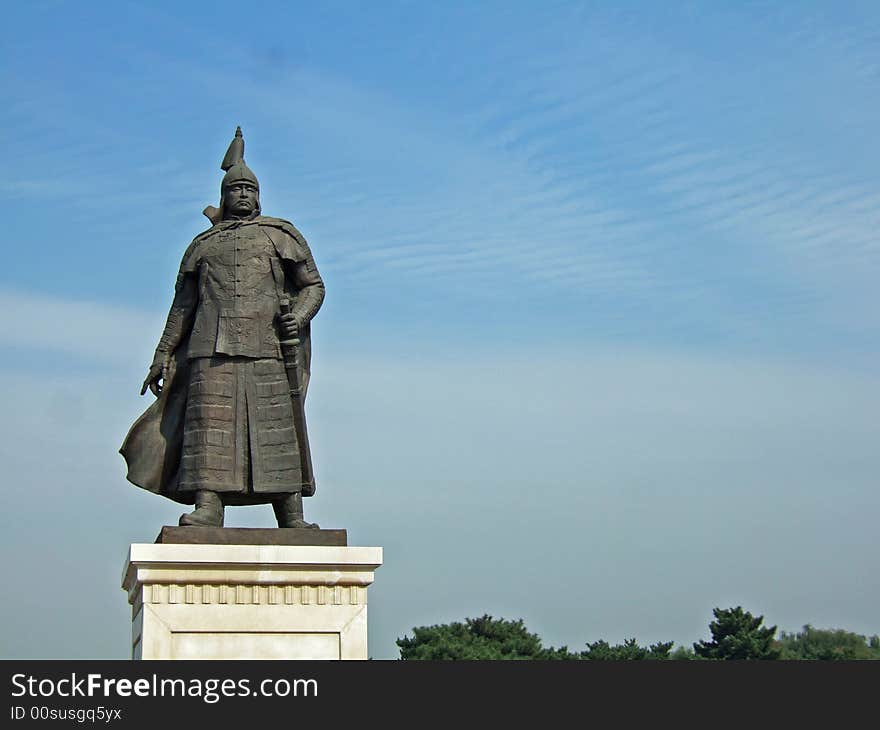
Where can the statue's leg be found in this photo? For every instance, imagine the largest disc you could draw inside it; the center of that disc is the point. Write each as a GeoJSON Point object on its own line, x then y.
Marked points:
{"type": "Point", "coordinates": [208, 511]}
{"type": "Point", "coordinates": [289, 511]}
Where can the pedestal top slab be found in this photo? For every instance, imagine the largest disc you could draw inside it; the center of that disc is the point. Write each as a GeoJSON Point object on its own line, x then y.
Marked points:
{"type": "Point", "coordinates": [258, 559]}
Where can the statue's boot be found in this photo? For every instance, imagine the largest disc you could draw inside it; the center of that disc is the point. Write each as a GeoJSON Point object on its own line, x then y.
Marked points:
{"type": "Point", "coordinates": [208, 511]}
{"type": "Point", "coordinates": [289, 512]}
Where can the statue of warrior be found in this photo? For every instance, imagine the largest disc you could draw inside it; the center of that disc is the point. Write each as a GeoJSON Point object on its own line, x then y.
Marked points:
{"type": "Point", "coordinates": [232, 366]}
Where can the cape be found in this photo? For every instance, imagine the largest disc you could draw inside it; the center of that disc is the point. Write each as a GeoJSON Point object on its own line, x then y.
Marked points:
{"type": "Point", "coordinates": [154, 442]}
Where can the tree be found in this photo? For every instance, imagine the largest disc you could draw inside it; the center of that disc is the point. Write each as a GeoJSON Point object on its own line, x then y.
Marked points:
{"type": "Point", "coordinates": [736, 634]}
{"type": "Point", "coordinates": [489, 638]}
{"type": "Point", "coordinates": [476, 638]}
{"type": "Point", "coordinates": [828, 644]}
{"type": "Point", "coordinates": [629, 650]}
{"type": "Point", "coordinates": [682, 653]}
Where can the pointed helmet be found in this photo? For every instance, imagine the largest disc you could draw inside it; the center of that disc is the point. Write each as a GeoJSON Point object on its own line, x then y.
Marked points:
{"type": "Point", "coordinates": [236, 171]}
{"type": "Point", "coordinates": [234, 165]}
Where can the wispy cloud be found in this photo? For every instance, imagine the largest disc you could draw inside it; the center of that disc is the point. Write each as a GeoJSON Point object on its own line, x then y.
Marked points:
{"type": "Point", "coordinates": [644, 179]}
{"type": "Point", "coordinates": [88, 329]}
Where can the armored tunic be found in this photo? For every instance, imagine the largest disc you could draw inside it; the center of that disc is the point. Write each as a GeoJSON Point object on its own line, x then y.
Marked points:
{"type": "Point", "coordinates": [241, 282]}
{"type": "Point", "coordinates": [236, 432]}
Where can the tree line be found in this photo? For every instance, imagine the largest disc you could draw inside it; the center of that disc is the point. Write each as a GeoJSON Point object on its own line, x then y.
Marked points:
{"type": "Point", "coordinates": [736, 635]}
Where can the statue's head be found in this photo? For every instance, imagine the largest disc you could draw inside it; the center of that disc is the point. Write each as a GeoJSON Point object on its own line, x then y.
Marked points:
{"type": "Point", "coordinates": [239, 193]}
{"type": "Point", "coordinates": [240, 190]}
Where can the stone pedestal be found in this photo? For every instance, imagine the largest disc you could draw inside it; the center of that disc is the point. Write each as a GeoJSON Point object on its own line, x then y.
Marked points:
{"type": "Point", "coordinates": [198, 601]}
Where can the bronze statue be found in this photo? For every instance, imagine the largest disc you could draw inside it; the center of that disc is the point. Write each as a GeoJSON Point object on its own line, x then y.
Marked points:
{"type": "Point", "coordinates": [232, 367]}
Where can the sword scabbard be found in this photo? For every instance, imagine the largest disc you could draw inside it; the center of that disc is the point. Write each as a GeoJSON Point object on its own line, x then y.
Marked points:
{"type": "Point", "coordinates": [290, 353]}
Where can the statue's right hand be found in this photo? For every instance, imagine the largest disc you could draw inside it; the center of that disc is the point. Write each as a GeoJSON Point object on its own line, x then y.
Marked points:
{"type": "Point", "coordinates": [157, 373]}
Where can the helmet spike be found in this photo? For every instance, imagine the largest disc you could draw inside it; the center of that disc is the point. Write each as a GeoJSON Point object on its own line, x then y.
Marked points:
{"type": "Point", "coordinates": [235, 153]}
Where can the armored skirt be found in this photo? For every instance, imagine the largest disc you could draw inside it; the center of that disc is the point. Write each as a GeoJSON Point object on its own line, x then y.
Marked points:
{"type": "Point", "coordinates": [239, 437]}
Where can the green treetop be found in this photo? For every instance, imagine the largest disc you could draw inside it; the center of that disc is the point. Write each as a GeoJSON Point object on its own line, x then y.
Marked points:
{"type": "Point", "coordinates": [736, 634]}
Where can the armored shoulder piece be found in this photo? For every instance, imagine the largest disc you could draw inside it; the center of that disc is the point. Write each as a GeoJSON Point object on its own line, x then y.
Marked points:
{"type": "Point", "coordinates": [190, 259]}
{"type": "Point", "coordinates": [293, 246]}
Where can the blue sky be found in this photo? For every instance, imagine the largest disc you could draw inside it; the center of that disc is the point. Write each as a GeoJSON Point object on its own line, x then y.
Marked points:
{"type": "Point", "coordinates": [600, 342]}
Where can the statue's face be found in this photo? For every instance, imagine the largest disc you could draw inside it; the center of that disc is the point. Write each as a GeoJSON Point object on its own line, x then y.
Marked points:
{"type": "Point", "coordinates": [241, 198]}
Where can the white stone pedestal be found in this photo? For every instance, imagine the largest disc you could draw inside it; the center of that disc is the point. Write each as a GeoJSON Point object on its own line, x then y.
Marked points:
{"type": "Point", "coordinates": [249, 601]}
